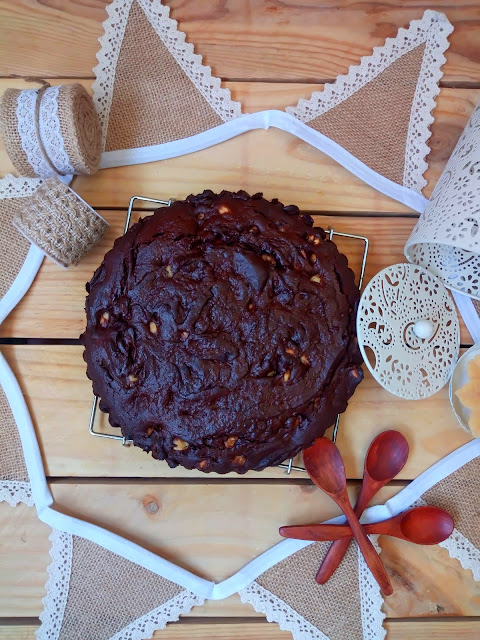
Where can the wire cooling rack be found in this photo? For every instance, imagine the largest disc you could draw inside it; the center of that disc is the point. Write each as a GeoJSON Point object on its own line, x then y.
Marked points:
{"type": "Point", "coordinates": [288, 466]}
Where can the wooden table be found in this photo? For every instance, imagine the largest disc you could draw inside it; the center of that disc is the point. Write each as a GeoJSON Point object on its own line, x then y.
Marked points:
{"type": "Point", "coordinates": [269, 54]}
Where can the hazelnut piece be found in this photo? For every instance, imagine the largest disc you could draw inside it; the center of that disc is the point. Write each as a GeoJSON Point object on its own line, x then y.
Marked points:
{"type": "Point", "coordinates": [315, 278]}
{"type": "Point", "coordinates": [132, 380]}
{"type": "Point", "coordinates": [239, 460]}
{"type": "Point", "coordinates": [286, 375]}
{"type": "Point", "coordinates": [268, 258]}
{"type": "Point", "coordinates": [304, 360]}
{"type": "Point", "coordinates": [229, 443]}
{"type": "Point", "coordinates": [202, 464]}
{"type": "Point", "coordinates": [169, 271]}
{"type": "Point", "coordinates": [291, 352]}
{"type": "Point", "coordinates": [153, 327]}
{"type": "Point", "coordinates": [313, 258]}
{"type": "Point", "coordinates": [104, 318]}
{"type": "Point", "coordinates": [223, 209]}
{"type": "Point", "coordinates": [179, 444]}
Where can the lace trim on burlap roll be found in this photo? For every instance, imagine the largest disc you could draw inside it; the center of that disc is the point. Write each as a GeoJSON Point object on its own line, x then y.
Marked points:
{"type": "Point", "coordinates": [51, 131]}
{"type": "Point", "coordinates": [60, 223]}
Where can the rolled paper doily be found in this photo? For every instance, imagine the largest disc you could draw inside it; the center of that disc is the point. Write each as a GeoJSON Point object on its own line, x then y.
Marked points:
{"type": "Point", "coordinates": [51, 130]}
{"type": "Point", "coordinates": [60, 223]}
{"type": "Point", "coordinates": [446, 238]}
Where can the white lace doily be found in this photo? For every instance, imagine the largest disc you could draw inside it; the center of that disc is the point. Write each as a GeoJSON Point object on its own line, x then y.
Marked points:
{"type": "Point", "coordinates": [393, 302]}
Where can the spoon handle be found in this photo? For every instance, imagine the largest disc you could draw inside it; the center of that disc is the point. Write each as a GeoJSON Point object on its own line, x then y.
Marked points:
{"type": "Point", "coordinates": [339, 548]}
{"type": "Point", "coordinates": [366, 547]}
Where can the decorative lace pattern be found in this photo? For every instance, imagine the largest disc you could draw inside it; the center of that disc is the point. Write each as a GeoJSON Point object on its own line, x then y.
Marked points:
{"type": "Point", "coordinates": [433, 29]}
{"type": "Point", "coordinates": [404, 364]}
{"type": "Point", "coordinates": [457, 268]}
{"type": "Point", "coordinates": [15, 491]}
{"type": "Point", "coordinates": [12, 187]}
{"type": "Point", "coordinates": [417, 149]}
{"type": "Point", "coordinates": [460, 548]}
{"type": "Point", "coordinates": [26, 128]}
{"type": "Point", "coordinates": [446, 238]}
{"type": "Point", "coordinates": [167, 29]}
{"type": "Point", "coordinates": [278, 611]}
{"type": "Point", "coordinates": [144, 627]}
{"type": "Point", "coordinates": [110, 44]}
{"type": "Point", "coordinates": [50, 132]}
{"type": "Point", "coordinates": [57, 586]}
{"type": "Point", "coordinates": [209, 86]}
{"type": "Point", "coordinates": [371, 599]}
{"type": "Point", "coordinates": [369, 68]}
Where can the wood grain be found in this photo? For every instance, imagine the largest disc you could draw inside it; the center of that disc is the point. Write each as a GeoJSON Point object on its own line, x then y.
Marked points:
{"type": "Point", "coordinates": [248, 630]}
{"type": "Point", "coordinates": [240, 40]}
{"type": "Point", "coordinates": [228, 526]}
{"type": "Point", "coordinates": [294, 47]}
{"type": "Point", "coordinates": [273, 161]}
{"type": "Point", "coordinates": [59, 398]}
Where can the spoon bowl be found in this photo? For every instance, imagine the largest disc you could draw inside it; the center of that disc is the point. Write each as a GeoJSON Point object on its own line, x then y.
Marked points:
{"type": "Point", "coordinates": [386, 456]}
{"type": "Point", "coordinates": [427, 525]}
{"type": "Point", "coordinates": [327, 477]}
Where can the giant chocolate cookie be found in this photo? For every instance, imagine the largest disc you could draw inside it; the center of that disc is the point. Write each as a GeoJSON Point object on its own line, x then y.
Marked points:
{"type": "Point", "coordinates": [221, 332]}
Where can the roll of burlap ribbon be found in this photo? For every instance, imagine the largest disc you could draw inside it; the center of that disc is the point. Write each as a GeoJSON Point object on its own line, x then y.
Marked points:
{"type": "Point", "coordinates": [60, 223]}
{"type": "Point", "coordinates": [51, 130]}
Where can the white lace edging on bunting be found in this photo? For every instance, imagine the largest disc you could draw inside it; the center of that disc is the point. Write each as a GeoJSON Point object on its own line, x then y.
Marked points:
{"type": "Point", "coordinates": [13, 187]}
{"type": "Point", "coordinates": [209, 86]}
{"type": "Point", "coordinates": [144, 627]}
{"type": "Point", "coordinates": [371, 599]}
{"type": "Point", "coordinates": [201, 76]}
{"type": "Point", "coordinates": [460, 548]}
{"type": "Point", "coordinates": [334, 93]}
{"type": "Point", "coordinates": [16, 491]}
{"type": "Point", "coordinates": [57, 586]}
{"type": "Point", "coordinates": [416, 148]}
{"type": "Point", "coordinates": [276, 610]}
{"type": "Point", "coordinates": [107, 57]}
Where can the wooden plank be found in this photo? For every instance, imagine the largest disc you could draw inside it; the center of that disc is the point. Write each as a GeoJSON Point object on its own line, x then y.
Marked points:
{"type": "Point", "coordinates": [273, 161]}
{"type": "Point", "coordinates": [24, 558]}
{"type": "Point", "coordinates": [59, 398]}
{"type": "Point", "coordinates": [252, 630]}
{"type": "Point", "coordinates": [248, 630]}
{"type": "Point", "coordinates": [54, 305]}
{"type": "Point", "coordinates": [214, 530]}
{"type": "Point", "coordinates": [274, 40]}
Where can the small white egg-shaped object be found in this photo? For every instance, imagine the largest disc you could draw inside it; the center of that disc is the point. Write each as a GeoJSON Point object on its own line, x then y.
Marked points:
{"type": "Point", "coordinates": [423, 329]}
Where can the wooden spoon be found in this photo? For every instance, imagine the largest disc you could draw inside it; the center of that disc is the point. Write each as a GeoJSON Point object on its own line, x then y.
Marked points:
{"type": "Point", "coordinates": [324, 465]}
{"type": "Point", "coordinates": [385, 458]}
{"type": "Point", "coordinates": [421, 525]}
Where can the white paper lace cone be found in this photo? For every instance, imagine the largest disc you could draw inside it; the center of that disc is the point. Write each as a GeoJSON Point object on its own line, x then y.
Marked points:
{"type": "Point", "coordinates": [446, 238]}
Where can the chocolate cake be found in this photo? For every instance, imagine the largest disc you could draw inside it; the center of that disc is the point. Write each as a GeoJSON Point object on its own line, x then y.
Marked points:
{"type": "Point", "coordinates": [221, 332]}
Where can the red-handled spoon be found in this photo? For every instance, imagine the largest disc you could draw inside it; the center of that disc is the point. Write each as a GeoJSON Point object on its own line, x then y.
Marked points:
{"type": "Point", "coordinates": [420, 525]}
{"type": "Point", "coordinates": [385, 458]}
{"type": "Point", "coordinates": [324, 465]}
